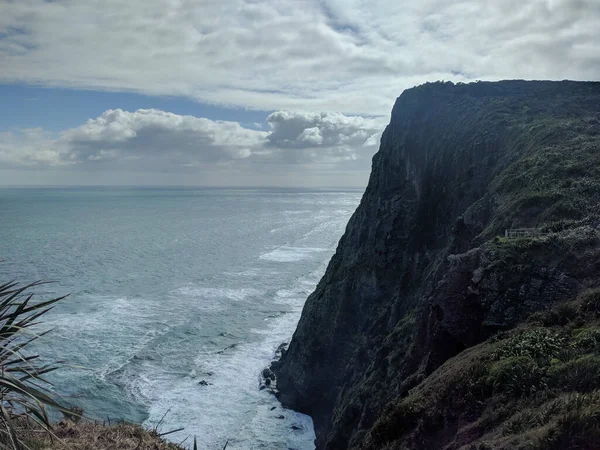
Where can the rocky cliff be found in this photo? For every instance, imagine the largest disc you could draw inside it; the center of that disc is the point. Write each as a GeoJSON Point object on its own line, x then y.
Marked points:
{"type": "Point", "coordinates": [423, 277]}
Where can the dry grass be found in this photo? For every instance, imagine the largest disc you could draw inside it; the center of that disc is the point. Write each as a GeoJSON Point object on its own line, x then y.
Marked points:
{"type": "Point", "coordinates": [91, 436]}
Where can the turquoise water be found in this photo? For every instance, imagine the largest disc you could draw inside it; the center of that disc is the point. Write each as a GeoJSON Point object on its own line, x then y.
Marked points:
{"type": "Point", "coordinates": [179, 298]}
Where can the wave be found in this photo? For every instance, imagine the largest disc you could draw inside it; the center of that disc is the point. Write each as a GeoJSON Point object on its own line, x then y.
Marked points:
{"type": "Point", "coordinates": [292, 254]}
{"type": "Point", "coordinates": [210, 298]}
{"type": "Point", "coordinates": [220, 399]}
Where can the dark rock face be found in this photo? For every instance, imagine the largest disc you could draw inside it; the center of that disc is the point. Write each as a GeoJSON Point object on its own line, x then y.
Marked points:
{"type": "Point", "coordinates": [497, 286]}
{"type": "Point", "coordinates": [419, 275]}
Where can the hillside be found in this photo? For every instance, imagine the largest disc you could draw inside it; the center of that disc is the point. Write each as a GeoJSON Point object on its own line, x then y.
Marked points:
{"type": "Point", "coordinates": [429, 329]}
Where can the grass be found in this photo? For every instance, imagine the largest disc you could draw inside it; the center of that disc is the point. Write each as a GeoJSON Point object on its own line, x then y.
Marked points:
{"type": "Point", "coordinates": [517, 376]}
{"type": "Point", "coordinates": [581, 374]}
{"type": "Point", "coordinates": [92, 436]}
{"type": "Point", "coordinates": [576, 429]}
{"type": "Point", "coordinates": [533, 388]}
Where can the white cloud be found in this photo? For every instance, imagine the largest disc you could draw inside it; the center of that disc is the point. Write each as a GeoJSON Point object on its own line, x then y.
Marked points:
{"type": "Point", "coordinates": [353, 56]}
{"type": "Point", "coordinates": [31, 147]}
{"type": "Point", "coordinates": [328, 137]}
{"type": "Point", "coordinates": [311, 136]}
{"type": "Point", "coordinates": [162, 137]}
{"type": "Point", "coordinates": [297, 129]}
{"type": "Point", "coordinates": [153, 141]}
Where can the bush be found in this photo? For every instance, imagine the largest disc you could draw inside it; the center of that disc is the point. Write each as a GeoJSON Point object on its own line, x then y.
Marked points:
{"type": "Point", "coordinates": [587, 340]}
{"type": "Point", "coordinates": [539, 344]}
{"type": "Point", "coordinates": [23, 392]}
{"type": "Point", "coordinates": [590, 301]}
{"type": "Point", "coordinates": [397, 420]}
{"type": "Point", "coordinates": [517, 376]}
{"type": "Point", "coordinates": [560, 315]}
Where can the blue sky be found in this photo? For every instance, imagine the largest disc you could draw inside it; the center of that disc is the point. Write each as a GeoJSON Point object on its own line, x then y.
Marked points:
{"type": "Point", "coordinates": [56, 109]}
{"type": "Point", "coordinates": [171, 91]}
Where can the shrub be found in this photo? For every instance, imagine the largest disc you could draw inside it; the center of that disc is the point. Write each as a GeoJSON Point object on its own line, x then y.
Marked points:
{"type": "Point", "coordinates": [590, 301]}
{"type": "Point", "coordinates": [587, 339]}
{"type": "Point", "coordinates": [23, 392]}
{"type": "Point", "coordinates": [539, 344]}
{"type": "Point", "coordinates": [517, 376]}
{"type": "Point", "coordinates": [560, 315]}
{"type": "Point", "coordinates": [397, 420]}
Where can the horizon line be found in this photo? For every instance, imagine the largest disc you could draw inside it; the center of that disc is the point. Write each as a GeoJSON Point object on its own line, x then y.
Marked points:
{"type": "Point", "coordinates": [63, 186]}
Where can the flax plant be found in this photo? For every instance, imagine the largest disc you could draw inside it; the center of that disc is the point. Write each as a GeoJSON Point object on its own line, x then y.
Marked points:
{"type": "Point", "coordinates": [25, 394]}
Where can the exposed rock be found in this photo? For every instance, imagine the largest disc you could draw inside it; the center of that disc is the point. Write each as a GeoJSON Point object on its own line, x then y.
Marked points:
{"type": "Point", "coordinates": [420, 274]}
{"type": "Point", "coordinates": [268, 374]}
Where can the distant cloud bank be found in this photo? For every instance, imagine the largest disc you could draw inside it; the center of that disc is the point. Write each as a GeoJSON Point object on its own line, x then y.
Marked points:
{"type": "Point", "coordinates": [151, 140]}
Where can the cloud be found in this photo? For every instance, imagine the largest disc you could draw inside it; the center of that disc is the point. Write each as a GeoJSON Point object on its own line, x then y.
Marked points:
{"type": "Point", "coordinates": [328, 137]}
{"type": "Point", "coordinates": [153, 141]}
{"type": "Point", "coordinates": [32, 147]}
{"type": "Point", "coordinates": [352, 56]}
{"type": "Point", "coordinates": [159, 137]}
{"type": "Point", "coordinates": [295, 129]}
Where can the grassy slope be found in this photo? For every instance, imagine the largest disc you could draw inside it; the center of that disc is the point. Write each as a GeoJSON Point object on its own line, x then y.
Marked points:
{"type": "Point", "coordinates": [536, 387]}
{"type": "Point", "coordinates": [556, 177]}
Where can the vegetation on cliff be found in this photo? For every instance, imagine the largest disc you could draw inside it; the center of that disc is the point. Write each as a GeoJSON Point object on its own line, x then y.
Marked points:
{"type": "Point", "coordinates": [534, 387]}
{"type": "Point", "coordinates": [418, 334]}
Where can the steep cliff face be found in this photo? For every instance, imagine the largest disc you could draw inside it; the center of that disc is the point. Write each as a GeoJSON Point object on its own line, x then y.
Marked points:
{"type": "Point", "coordinates": [420, 276]}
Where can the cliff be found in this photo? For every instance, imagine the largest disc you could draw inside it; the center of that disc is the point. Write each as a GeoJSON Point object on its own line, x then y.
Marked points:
{"type": "Point", "coordinates": [423, 288]}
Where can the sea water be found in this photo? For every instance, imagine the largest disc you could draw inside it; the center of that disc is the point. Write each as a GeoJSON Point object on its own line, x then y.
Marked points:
{"type": "Point", "coordinates": [179, 297]}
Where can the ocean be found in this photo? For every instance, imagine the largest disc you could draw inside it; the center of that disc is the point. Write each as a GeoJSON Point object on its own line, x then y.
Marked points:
{"type": "Point", "coordinates": [179, 298]}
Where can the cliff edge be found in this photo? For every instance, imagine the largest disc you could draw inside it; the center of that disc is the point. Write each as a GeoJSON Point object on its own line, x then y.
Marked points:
{"type": "Point", "coordinates": [424, 290]}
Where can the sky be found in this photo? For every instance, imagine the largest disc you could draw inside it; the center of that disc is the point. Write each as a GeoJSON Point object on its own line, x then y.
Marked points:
{"type": "Point", "coordinates": [250, 92]}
